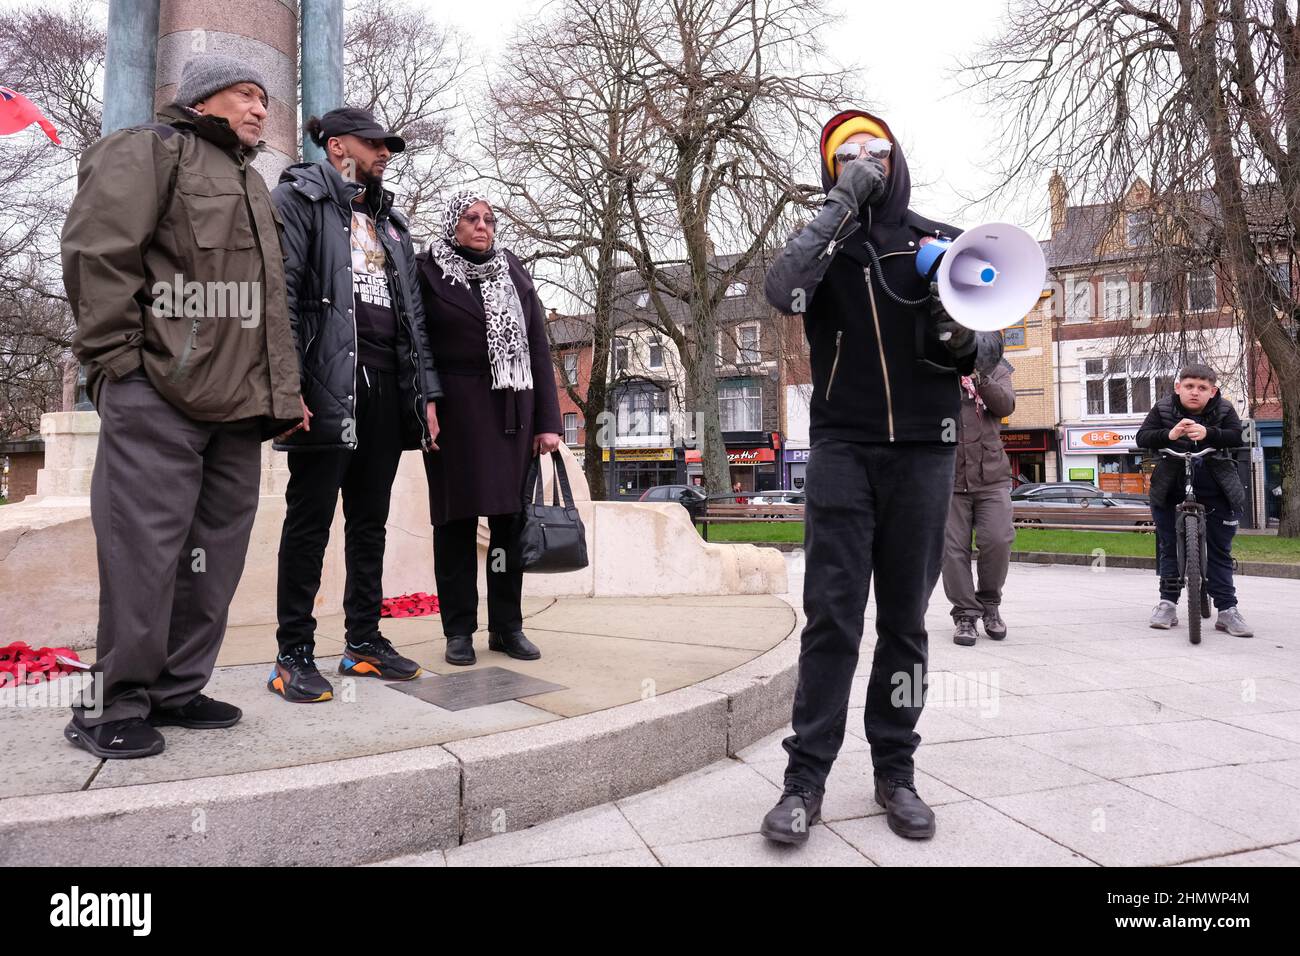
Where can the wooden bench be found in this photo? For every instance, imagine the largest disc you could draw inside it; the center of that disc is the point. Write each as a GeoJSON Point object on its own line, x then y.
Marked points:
{"type": "Point", "coordinates": [723, 512]}
{"type": "Point", "coordinates": [1136, 518]}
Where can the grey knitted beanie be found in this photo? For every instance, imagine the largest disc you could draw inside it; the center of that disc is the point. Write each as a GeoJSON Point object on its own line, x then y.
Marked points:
{"type": "Point", "coordinates": [209, 73]}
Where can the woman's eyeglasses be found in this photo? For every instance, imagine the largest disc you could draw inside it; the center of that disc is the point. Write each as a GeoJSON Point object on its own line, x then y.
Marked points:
{"type": "Point", "coordinates": [875, 148]}
{"type": "Point", "coordinates": [473, 219]}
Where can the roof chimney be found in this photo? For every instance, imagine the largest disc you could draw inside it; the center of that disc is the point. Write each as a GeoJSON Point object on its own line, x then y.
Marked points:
{"type": "Point", "coordinates": [1059, 199]}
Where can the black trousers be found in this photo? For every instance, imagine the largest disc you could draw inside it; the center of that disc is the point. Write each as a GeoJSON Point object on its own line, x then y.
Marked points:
{"type": "Point", "coordinates": [455, 567]}
{"type": "Point", "coordinates": [873, 511]}
{"type": "Point", "coordinates": [1220, 527]}
{"type": "Point", "coordinates": [365, 476]}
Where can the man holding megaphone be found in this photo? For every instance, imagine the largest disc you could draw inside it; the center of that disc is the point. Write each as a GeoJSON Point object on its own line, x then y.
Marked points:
{"type": "Point", "coordinates": [887, 359]}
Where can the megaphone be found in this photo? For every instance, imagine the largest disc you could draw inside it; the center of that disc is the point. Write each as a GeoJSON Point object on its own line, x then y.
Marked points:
{"type": "Point", "coordinates": [989, 277]}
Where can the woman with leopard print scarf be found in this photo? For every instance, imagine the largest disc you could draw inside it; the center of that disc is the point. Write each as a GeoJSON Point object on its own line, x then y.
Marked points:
{"type": "Point", "coordinates": [499, 408]}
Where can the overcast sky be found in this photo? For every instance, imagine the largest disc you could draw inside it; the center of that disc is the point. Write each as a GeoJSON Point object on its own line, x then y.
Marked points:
{"type": "Point", "coordinates": [910, 52]}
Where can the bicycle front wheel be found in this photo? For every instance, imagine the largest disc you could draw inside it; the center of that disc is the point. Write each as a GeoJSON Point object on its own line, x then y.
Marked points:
{"type": "Point", "coordinates": [1193, 572]}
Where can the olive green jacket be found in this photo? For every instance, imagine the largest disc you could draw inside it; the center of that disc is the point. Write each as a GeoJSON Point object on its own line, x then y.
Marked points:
{"type": "Point", "coordinates": [171, 261]}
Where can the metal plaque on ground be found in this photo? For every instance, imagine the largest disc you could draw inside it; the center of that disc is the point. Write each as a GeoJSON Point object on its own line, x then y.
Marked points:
{"type": "Point", "coordinates": [474, 688]}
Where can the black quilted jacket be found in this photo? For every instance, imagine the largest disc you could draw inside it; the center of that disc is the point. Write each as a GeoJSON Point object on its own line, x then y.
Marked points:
{"type": "Point", "coordinates": [315, 201]}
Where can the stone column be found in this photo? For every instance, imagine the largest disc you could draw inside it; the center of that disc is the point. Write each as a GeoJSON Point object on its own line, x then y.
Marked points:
{"type": "Point", "coordinates": [129, 64]}
{"type": "Point", "coordinates": [263, 33]}
{"type": "Point", "coordinates": [322, 64]}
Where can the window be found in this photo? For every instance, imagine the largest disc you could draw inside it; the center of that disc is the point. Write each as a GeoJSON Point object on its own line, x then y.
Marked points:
{"type": "Point", "coordinates": [656, 352]}
{"type": "Point", "coordinates": [717, 356]}
{"type": "Point", "coordinates": [643, 413]}
{"type": "Point", "coordinates": [1280, 272]}
{"type": "Point", "coordinates": [1200, 291]}
{"type": "Point", "coordinates": [570, 428]}
{"type": "Point", "coordinates": [747, 353]}
{"type": "Point", "coordinates": [621, 354]}
{"type": "Point", "coordinates": [1117, 298]}
{"type": "Point", "coordinates": [642, 300]}
{"type": "Point", "coordinates": [1013, 336]}
{"type": "Point", "coordinates": [737, 289]}
{"type": "Point", "coordinates": [1163, 295]}
{"type": "Point", "coordinates": [1078, 300]}
{"type": "Point", "coordinates": [1138, 228]}
{"type": "Point", "coordinates": [571, 368]}
{"type": "Point", "coordinates": [1125, 385]}
{"type": "Point", "coordinates": [740, 408]}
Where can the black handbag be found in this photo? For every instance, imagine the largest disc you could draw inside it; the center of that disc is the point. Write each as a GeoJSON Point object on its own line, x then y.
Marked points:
{"type": "Point", "coordinates": [552, 538]}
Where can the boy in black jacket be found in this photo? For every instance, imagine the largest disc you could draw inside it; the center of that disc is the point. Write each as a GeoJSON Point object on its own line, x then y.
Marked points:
{"type": "Point", "coordinates": [886, 370]}
{"type": "Point", "coordinates": [1195, 417]}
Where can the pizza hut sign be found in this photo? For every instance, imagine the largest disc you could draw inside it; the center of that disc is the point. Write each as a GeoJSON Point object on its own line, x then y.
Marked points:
{"type": "Point", "coordinates": [1101, 438]}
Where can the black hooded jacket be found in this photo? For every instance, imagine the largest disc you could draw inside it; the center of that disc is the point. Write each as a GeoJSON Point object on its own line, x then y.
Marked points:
{"type": "Point", "coordinates": [879, 372]}
{"type": "Point", "coordinates": [315, 202]}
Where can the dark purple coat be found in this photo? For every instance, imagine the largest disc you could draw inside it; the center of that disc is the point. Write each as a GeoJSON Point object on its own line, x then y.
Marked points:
{"type": "Point", "coordinates": [486, 442]}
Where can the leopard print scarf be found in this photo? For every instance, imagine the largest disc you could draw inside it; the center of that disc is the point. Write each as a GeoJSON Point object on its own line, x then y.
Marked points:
{"type": "Point", "coordinates": [507, 332]}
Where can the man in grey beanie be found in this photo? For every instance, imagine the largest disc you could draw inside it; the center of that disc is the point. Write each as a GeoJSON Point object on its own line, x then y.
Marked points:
{"type": "Point", "coordinates": [173, 269]}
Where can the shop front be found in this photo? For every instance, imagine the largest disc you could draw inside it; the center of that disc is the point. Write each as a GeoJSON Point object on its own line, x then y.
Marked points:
{"type": "Point", "coordinates": [1106, 456]}
{"type": "Point", "coordinates": [796, 467]}
{"type": "Point", "coordinates": [634, 471]}
{"type": "Point", "coordinates": [1027, 449]}
{"type": "Point", "coordinates": [1270, 440]}
{"type": "Point", "coordinates": [751, 460]}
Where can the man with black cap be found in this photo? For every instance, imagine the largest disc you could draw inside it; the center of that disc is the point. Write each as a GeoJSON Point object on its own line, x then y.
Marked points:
{"type": "Point", "coordinates": [173, 270]}
{"type": "Point", "coordinates": [369, 385]}
{"type": "Point", "coordinates": [886, 368]}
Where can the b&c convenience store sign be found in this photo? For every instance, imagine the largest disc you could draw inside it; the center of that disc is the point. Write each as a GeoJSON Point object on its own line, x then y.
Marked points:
{"type": "Point", "coordinates": [1101, 439]}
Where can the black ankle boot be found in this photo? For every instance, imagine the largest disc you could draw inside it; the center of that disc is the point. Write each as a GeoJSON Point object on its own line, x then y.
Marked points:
{"type": "Point", "coordinates": [793, 816]}
{"type": "Point", "coordinates": [460, 650]}
{"type": "Point", "coordinates": [515, 644]}
{"type": "Point", "coordinates": [905, 812]}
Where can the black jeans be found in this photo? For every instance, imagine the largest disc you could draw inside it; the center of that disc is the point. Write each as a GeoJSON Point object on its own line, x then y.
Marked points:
{"type": "Point", "coordinates": [365, 476]}
{"type": "Point", "coordinates": [873, 511]}
{"type": "Point", "coordinates": [455, 566]}
{"type": "Point", "coordinates": [1220, 526]}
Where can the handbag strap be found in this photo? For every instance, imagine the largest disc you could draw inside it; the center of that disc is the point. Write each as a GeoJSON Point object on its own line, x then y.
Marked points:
{"type": "Point", "coordinates": [534, 486]}
{"type": "Point", "coordinates": [562, 479]}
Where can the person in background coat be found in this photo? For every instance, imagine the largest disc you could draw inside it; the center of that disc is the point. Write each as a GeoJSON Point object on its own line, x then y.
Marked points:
{"type": "Point", "coordinates": [981, 502]}
{"type": "Point", "coordinates": [499, 408]}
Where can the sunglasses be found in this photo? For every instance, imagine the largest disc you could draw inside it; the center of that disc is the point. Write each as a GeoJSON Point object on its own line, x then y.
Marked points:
{"type": "Point", "coordinates": [875, 148]}
{"type": "Point", "coordinates": [473, 219]}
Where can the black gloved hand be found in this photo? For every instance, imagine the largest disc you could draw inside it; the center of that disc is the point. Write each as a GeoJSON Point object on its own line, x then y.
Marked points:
{"type": "Point", "coordinates": [861, 183]}
{"type": "Point", "coordinates": [955, 337]}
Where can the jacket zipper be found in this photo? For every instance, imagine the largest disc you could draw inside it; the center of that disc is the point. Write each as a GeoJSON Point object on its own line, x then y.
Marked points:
{"type": "Point", "coordinates": [830, 246]}
{"type": "Point", "coordinates": [185, 352]}
{"type": "Point", "coordinates": [839, 334]}
{"type": "Point", "coordinates": [884, 367]}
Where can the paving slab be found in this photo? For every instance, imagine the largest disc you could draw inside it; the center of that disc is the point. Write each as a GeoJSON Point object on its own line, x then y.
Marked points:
{"type": "Point", "coordinates": [599, 830]}
{"type": "Point", "coordinates": [1237, 798]}
{"type": "Point", "coordinates": [1283, 724]}
{"type": "Point", "coordinates": [724, 799]}
{"type": "Point", "coordinates": [1113, 708]}
{"type": "Point", "coordinates": [1253, 858]}
{"type": "Point", "coordinates": [1113, 752]}
{"type": "Point", "coordinates": [998, 766]}
{"type": "Point", "coordinates": [1115, 825]}
{"type": "Point", "coordinates": [1220, 742]}
{"type": "Point", "coordinates": [967, 833]}
{"type": "Point", "coordinates": [673, 623]}
{"type": "Point", "coordinates": [639, 857]}
{"type": "Point", "coordinates": [824, 848]}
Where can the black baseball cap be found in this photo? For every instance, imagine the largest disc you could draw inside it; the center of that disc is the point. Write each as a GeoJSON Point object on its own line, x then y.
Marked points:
{"type": "Point", "coordinates": [358, 122]}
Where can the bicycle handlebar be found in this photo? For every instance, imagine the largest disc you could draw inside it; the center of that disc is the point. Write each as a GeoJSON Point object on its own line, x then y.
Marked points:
{"type": "Point", "coordinates": [1188, 455]}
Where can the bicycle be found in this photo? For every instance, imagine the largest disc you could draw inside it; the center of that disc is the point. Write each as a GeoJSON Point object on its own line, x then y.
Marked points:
{"type": "Point", "coordinates": [1190, 538]}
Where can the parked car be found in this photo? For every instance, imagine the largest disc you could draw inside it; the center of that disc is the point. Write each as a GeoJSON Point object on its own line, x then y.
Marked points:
{"type": "Point", "coordinates": [1070, 503]}
{"type": "Point", "coordinates": [1076, 490]}
{"type": "Point", "coordinates": [783, 496]}
{"type": "Point", "coordinates": [690, 497]}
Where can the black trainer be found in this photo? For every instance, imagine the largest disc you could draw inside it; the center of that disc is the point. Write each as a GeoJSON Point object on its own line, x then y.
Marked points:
{"type": "Point", "coordinates": [515, 644]}
{"type": "Point", "coordinates": [117, 739]}
{"type": "Point", "coordinates": [377, 658]}
{"type": "Point", "coordinates": [905, 811]}
{"type": "Point", "coordinates": [201, 713]}
{"type": "Point", "coordinates": [793, 816]}
{"type": "Point", "coordinates": [294, 677]}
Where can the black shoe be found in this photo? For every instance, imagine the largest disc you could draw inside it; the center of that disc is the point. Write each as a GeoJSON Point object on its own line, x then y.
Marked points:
{"type": "Point", "coordinates": [905, 812]}
{"type": "Point", "coordinates": [117, 739]}
{"type": "Point", "coordinates": [994, 626]}
{"type": "Point", "coordinates": [515, 644]}
{"type": "Point", "coordinates": [378, 658]}
{"type": "Point", "coordinates": [964, 633]}
{"type": "Point", "coordinates": [295, 677]}
{"type": "Point", "coordinates": [201, 713]}
{"type": "Point", "coordinates": [460, 650]}
{"type": "Point", "coordinates": [793, 816]}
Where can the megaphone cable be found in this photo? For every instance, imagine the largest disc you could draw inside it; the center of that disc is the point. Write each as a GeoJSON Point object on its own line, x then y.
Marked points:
{"type": "Point", "coordinates": [884, 286]}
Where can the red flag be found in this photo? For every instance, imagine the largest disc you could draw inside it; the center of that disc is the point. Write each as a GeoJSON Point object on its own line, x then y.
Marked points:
{"type": "Point", "coordinates": [17, 112]}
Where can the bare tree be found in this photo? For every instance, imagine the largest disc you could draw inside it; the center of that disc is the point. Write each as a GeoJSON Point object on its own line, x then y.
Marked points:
{"type": "Point", "coordinates": [1202, 99]}
{"type": "Point", "coordinates": [405, 67]}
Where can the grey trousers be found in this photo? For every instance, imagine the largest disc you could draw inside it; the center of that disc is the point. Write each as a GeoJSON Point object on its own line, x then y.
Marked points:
{"type": "Point", "coordinates": [988, 514]}
{"type": "Point", "coordinates": [172, 502]}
